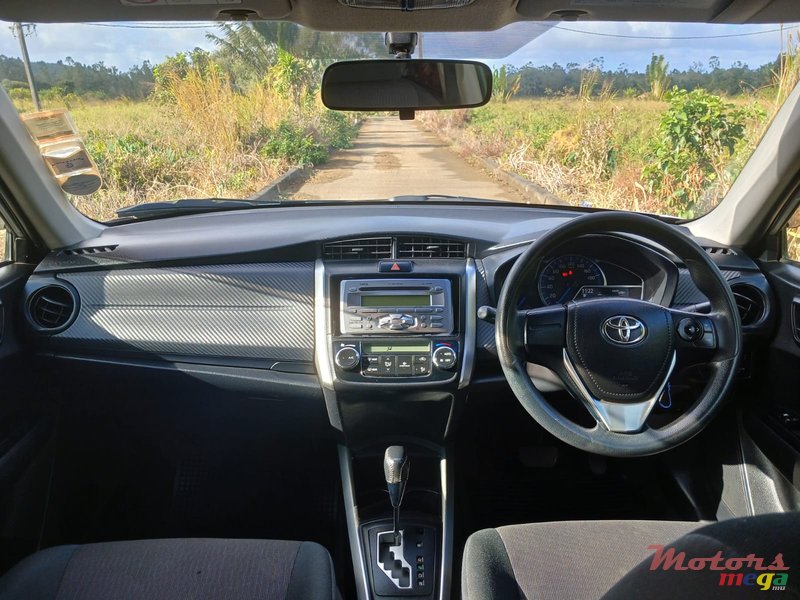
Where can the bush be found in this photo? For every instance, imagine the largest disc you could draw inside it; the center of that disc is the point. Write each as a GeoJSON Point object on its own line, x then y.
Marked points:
{"type": "Point", "coordinates": [337, 130]}
{"type": "Point", "coordinates": [130, 162]}
{"type": "Point", "coordinates": [696, 138]}
{"type": "Point", "coordinates": [293, 143]}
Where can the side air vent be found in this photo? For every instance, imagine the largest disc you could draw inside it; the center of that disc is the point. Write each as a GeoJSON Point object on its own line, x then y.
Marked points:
{"type": "Point", "coordinates": [750, 302]}
{"type": "Point", "coordinates": [430, 247]}
{"type": "Point", "coordinates": [52, 308]}
{"type": "Point", "coordinates": [88, 250]}
{"type": "Point", "coordinates": [719, 250]}
{"type": "Point", "coordinates": [363, 248]}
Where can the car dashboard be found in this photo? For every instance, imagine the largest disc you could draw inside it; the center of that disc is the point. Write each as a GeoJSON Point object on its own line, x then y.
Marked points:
{"type": "Point", "coordinates": [350, 299]}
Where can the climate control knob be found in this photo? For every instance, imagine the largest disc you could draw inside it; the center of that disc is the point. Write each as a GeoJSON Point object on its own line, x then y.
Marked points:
{"type": "Point", "coordinates": [444, 358]}
{"type": "Point", "coordinates": [347, 358]}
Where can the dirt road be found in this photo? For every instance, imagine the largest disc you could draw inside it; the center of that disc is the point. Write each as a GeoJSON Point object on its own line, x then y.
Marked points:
{"type": "Point", "coordinates": [393, 158]}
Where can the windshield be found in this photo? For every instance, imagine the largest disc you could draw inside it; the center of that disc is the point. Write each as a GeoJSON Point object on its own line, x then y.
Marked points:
{"type": "Point", "coordinates": [656, 118]}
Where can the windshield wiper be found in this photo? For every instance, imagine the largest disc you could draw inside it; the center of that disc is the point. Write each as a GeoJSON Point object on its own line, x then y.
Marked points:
{"type": "Point", "coordinates": [187, 206]}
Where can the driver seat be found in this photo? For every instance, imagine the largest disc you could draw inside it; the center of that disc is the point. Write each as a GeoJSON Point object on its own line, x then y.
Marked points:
{"type": "Point", "coordinates": [610, 559]}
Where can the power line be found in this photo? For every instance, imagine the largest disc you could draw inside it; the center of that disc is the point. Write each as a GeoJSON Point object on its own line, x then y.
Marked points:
{"type": "Point", "coordinates": [667, 37]}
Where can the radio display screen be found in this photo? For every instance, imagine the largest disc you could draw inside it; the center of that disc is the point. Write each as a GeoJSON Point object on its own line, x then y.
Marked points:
{"type": "Point", "coordinates": [396, 300]}
{"type": "Point", "coordinates": [383, 348]}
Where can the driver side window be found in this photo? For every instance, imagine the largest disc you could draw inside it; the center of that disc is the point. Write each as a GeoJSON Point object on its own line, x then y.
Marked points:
{"type": "Point", "coordinates": [5, 240]}
{"type": "Point", "coordinates": [793, 237]}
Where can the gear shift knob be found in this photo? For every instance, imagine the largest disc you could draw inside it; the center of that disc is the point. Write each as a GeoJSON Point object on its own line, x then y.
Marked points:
{"type": "Point", "coordinates": [396, 466]}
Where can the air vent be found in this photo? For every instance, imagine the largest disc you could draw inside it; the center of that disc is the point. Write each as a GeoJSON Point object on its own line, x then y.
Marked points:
{"type": "Point", "coordinates": [52, 308]}
{"type": "Point", "coordinates": [363, 248]}
{"type": "Point", "coordinates": [719, 250]}
{"type": "Point", "coordinates": [750, 302]}
{"type": "Point", "coordinates": [430, 247]}
{"type": "Point", "coordinates": [88, 250]}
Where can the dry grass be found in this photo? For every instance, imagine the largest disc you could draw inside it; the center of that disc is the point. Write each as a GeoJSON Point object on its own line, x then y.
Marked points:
{"type": "Point", "coordinates": [587, 151]}
{"type": "Point", "coordinates": [208, 141]}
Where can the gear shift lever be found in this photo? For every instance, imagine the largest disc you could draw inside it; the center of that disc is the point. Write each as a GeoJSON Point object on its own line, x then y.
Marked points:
{"type": "Point", "coordinates": [396, 466]}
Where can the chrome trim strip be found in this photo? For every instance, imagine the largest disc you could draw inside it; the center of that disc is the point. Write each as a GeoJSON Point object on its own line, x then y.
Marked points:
{"type": "Point", "coordinates": [400, 557]}
{"type": "Point", "coordinates": [470, 323]}
{"type": "Point", "coordinates": [351, 514]}
{"type": "Point", "coordinates": [322, 333]}
{"type": "Point", "coordinates": [616, 416]}
{"type": "Point", "coordinates": [446, 566]}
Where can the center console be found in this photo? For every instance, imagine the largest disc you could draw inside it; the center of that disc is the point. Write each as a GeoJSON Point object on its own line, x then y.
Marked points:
{"type": "Point", "coordinates": [376, 318]}
{"type": "Point", "coordinates": [413, 328]}
{"type": "Point", "coordinates": [395, 344]}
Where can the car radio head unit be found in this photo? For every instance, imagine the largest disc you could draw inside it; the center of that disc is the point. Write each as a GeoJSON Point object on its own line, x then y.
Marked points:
{"type": "Point", "coordinates": [396, 306]}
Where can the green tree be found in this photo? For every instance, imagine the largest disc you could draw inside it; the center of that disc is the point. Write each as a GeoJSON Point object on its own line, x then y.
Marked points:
{"type": "Point", "coordinates": [657, 78]}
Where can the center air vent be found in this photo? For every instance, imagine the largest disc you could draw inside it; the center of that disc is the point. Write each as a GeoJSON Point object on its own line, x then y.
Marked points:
{"type": "Point", "coordinates": [750, 302]}
{"type": "Point", "coordinates": [362, 248]}
{"type": "Point", "coordinates": [52, 308]}
{"type": "Point", "coordinates": [430, 247]}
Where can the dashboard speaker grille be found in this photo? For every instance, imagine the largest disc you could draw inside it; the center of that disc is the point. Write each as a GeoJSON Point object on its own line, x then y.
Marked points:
{"type": "Point", "coordinates": [430, 247]}
{"type": "Point", "coordinates": [750, 303]}
{"type": "Point", "coordinates": [362, 248]}
{"type": "Point", "coordinates": [719, 250]}
{"type": "Point", "coordinates": [51, 308]}
{"type": "Point", "coordinates": [88, 250]}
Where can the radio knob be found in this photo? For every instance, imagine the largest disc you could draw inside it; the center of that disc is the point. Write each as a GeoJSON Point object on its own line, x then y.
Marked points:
{"type": "Point", "coordinates": [444, 358]}
{"type": "Point", "coordinates": [347, 358]}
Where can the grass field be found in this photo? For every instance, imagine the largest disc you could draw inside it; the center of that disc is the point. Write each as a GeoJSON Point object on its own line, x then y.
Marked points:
{"type": "Point", "coordinates": [210, 142]}
{"type": "Point", "coordinates": [588, 152]}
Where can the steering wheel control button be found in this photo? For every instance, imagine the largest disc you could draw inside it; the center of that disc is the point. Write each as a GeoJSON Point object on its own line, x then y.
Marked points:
{"type": "Point", "coordinates": [347, 358]}
{"type": "Point", "coordinates": [444, 358]}
{"type": "Point", "coordinates": [690, 330]}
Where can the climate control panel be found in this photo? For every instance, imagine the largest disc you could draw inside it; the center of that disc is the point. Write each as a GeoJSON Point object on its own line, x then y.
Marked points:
{"type": "Point", "coordinates": [422, 360]}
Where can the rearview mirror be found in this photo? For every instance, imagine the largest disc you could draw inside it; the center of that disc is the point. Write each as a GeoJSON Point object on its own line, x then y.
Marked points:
{"type": "Point", "coordinates": [406, 85]}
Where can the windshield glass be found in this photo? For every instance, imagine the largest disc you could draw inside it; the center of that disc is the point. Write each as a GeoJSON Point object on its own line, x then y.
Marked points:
{"type": "Point", "coordinates": [651, 117]}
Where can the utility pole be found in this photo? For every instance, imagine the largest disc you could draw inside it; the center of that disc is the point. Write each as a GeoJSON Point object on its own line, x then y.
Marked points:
{"type": "Point", "coordinates": [26, 61]}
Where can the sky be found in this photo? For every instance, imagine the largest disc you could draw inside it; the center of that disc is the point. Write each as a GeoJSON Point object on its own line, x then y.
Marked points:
{"type": "Point", "coordinates": [123, 45]}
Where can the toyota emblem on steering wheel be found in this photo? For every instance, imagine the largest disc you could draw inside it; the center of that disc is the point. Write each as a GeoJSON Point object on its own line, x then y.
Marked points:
{"type": "Point", "coordinates": [624, 330]}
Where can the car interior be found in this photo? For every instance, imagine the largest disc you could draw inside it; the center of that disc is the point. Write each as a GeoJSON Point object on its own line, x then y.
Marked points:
{"type": "Point", "coordinates": [397, 399]}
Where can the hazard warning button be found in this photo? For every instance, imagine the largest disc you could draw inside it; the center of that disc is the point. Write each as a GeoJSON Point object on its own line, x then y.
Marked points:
{"type": "Point", "coordinates": [395, 266]}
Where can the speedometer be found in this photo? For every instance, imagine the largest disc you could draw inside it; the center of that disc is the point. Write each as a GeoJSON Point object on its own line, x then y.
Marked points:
{"type": "Point", "coordinates": [563, 277]}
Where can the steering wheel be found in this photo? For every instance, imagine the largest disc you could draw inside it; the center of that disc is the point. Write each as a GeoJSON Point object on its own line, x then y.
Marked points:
{"type": "Point", "coordinates": [616, 355]}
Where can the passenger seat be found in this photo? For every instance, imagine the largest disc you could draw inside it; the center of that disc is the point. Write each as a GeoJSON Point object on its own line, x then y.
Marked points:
{"type": "Point", "coordinates": [175, 569]}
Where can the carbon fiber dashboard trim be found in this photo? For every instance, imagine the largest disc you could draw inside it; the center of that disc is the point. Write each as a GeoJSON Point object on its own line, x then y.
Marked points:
{"type": "Point", "coordinates": [247, 310]}
{"type": "Point", "coordinates": [687, 294]}
{"type": "Point", "coordinates": [486, 336]}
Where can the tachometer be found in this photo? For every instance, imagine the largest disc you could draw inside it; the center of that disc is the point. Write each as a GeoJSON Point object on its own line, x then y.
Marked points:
{"type": "Point", "coordinates": [563, 277]}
